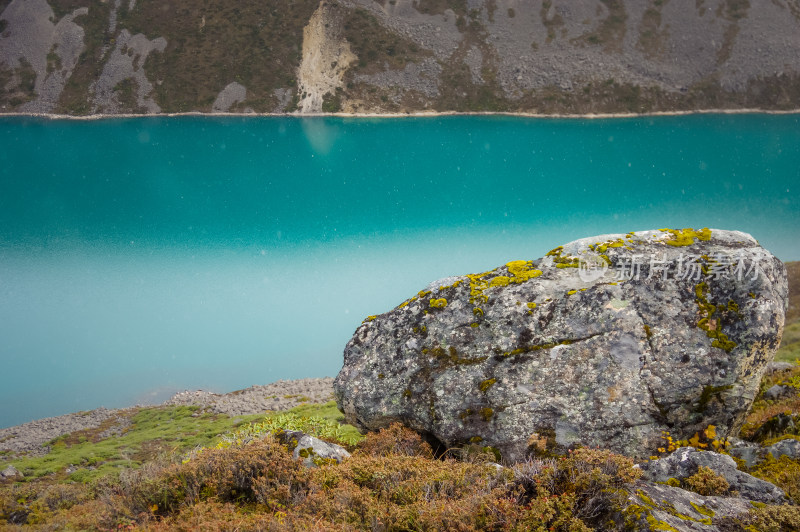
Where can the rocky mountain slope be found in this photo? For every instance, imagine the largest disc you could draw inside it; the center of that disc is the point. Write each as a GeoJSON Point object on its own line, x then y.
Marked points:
{"type": "Point", "coordinates": [83, 57]}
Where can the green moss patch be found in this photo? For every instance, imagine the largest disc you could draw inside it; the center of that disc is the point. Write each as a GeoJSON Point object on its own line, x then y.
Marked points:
{"type": "Point", "coordinates": [152, 432]}
{"type": "Point", "coordinates": [711, 319]}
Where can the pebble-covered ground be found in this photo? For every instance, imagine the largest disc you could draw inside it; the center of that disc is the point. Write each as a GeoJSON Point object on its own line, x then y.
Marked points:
{"type": "Point", "coordinates": [31, 437]}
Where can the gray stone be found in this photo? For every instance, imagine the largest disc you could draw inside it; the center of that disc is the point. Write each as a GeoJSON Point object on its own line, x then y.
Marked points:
{"type": "Point", "coordinates": [778, 392]}
{"type": "Point", "coordinates": [776, 426]}
{"type": "Point", "coordinates": [685, 462]}
{"type": "Point", "coordinates": [750, 453]}
{"type": "Point", "coordinates": [608, 354]}
{"type": "Point", "coordinates": [790, 448]}
{"type": "Point", "coordinates": [312, 450]}
{"type": "Point", "coordinates": [660, 507]}
{"type": "Point", "coordinates": [232, 94]}
{"type": "Point", "coordinates": [776, 367]}
{"type": "Point", "coordinates": [10, 473]}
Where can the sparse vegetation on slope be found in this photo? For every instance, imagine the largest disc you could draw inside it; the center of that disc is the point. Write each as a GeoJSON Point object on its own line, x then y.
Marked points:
{"type": "Point", "coordinates": [542, 58]}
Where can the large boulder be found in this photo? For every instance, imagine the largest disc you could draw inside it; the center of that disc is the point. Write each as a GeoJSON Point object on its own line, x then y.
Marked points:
{"type": "Point", "coordinates": [606, 341]}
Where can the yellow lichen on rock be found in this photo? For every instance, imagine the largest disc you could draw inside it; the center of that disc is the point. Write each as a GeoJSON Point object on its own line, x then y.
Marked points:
{"type": "Point", "coordinates": [439, 303]}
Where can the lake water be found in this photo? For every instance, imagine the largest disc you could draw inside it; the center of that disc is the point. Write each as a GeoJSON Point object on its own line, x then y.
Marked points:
{"type": "Point", "coordinates": [143, 256]}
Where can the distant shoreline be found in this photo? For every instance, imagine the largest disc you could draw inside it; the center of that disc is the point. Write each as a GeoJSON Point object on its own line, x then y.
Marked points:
{"type": "Point", "coordinates": [31, 437]}
{"type": "Point", "coordinates": [420, 114]}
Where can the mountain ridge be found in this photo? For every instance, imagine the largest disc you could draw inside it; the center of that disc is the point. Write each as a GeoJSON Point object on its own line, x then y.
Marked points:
{"type": "Point", "coordinates": [87, 57]}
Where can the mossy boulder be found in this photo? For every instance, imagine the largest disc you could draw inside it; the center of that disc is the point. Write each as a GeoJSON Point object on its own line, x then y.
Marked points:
{"type": "Point", "coordinates": [606, 341]}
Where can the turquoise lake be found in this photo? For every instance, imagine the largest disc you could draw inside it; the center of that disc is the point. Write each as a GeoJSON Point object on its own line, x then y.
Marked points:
{"type": "Point", "coordinates": [143, 256]}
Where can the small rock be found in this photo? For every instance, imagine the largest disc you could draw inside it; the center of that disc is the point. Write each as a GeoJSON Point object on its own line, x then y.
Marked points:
{"type": "Point", "coordinates": [775, 426]}
{"type": "Point", "coordinates": [663, 507]}
{"type": "Point", "coordinates": [11, 473]}
{"type": "Point", "coordinates": [775, 367]}
{"type": "Point", "coordinates": [790, 448]}
{"type": "Point", "coordinates": [750, 453]}
{"type": "Point", "coordinates": [685, 462]}
{"type": "Point", "coordinates": [778, 392]}
{"type": "Point", "coordinates": [312, 450]}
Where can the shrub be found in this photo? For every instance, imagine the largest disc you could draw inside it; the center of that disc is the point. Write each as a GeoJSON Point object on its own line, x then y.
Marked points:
{"type": "Point", "coordinates": [41, 503]}
{"type": "Point", "coordinates": [260, 472]}
{"type": "Point", "coordinates": [594, 478]}
{"type": "Point", "coordinates": [773, 518]}
{"type": "Point", "coordinates": [783, 472]}
{"type": "Point", "coordinates": [395, 440]}
{"type": "Point", "coordinates": [707, 482]}
{"type": "Point", "coordinates": [764, 518]}
{"type": "Point", "coordinates": [401, 492]}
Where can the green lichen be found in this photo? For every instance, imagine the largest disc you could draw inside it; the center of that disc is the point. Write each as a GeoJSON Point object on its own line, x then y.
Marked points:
{"type": "Point", "coordinates": [485, 385]}
{"type": "Point", "coordinates": [454, 285]}
{"type": "Point", "coordinates": [685, 237]}
{"type": "Point", "coordinates": [407, 302]}
{"type": "Point", "coordinates": [450, 356]}
{"type": "Point", "coordinates": [708, 393]}
{"type": "Point", "coordinates": [708, 323]}
{"type": "Point", "coordinates": [477, 284]}
{"type": "Point", "coordinates": [531, 305]}
{"type": "Point", "coordinates": [656, 524]}
{"type": "Point", "coordinates": [562, 261]}
{"type": "Point", "coordinates": [500, 280]}
{"type": "Point", "coordinates": [531, 348]}
{"type": "Point", "coordinates": [646, 511]}
{"type": "Point", "coordinates": [438, 303]}
{"type": "Point", "coordinates": [494, 451]}
{"type": "Point", "coordinates": [702, 510]}
{"type": "Point", "coordinates": [520, 271]}
{"type": "Point", "coordinates": [474, 325]}
{"type": "Point", "coordinates": [647, 500]}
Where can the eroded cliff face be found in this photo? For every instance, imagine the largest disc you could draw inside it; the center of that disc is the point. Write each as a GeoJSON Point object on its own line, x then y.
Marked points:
{"type": "Point", "coordinates": [326, 57]}
{"type": "Point", "coordinates": [542, 56]}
